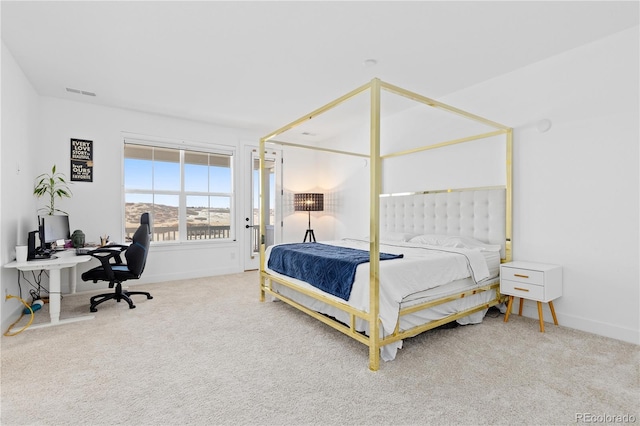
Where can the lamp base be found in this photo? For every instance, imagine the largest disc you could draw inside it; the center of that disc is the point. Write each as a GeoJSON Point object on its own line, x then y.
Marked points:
{"type": "Point", "coordinates": [309, 234]}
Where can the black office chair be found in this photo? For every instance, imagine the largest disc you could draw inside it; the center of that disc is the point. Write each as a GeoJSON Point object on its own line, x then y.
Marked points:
{"type": "Point", "coordinates": [113, 270]}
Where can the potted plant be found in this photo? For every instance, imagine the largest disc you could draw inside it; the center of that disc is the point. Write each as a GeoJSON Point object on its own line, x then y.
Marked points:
{"type": "Point", "coordinates": [54, 184]}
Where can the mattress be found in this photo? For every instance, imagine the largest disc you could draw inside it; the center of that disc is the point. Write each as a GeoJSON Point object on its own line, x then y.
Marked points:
{"type": "Point", "coordinates": [458, 286]}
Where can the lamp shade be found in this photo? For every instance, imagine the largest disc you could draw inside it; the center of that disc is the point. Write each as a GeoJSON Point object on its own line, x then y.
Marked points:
{"type": "Point", "coordinates": [308, 202]}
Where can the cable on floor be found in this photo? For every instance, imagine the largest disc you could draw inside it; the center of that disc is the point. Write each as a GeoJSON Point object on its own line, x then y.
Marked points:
{"type": "Point", "coordinates": [8, 332]}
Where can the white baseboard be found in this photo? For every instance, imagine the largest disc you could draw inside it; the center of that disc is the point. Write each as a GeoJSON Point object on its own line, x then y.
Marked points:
{"type": "Point", "coordinates": [151, 278]}
{"type": "Point", "coordinates": [600, 328]}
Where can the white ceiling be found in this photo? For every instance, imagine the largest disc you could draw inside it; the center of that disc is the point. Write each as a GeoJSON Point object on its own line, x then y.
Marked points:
{"type": "Point", "coordinates": [263, 64]}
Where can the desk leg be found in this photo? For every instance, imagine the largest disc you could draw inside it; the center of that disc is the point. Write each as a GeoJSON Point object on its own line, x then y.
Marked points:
{"type": "Point", "coordinates": [54, 302]}
{"type": "Point", "coordinates": [54, 295]}
{"type": "Point", "coordinates": [72, 279]}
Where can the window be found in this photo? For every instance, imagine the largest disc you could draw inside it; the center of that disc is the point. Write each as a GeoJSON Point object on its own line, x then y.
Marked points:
{"type": "Point", "coordinates": [187, 191]}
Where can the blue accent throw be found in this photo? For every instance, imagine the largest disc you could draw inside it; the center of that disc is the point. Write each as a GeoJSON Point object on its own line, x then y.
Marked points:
{"type": "Point", "coordinates": [331, 269]}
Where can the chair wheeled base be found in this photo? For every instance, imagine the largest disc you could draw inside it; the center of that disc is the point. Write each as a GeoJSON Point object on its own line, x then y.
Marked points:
{"type": "Point", "coordinates": [118, 295]}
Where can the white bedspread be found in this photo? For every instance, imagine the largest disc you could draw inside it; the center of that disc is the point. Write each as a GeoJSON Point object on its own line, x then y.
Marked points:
{"type": "Point", "coordinates": [422, 267]}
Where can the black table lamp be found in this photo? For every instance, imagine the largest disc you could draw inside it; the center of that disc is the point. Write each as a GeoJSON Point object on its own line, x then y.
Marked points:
{"type": "Point", "coordinates": [307, 202]}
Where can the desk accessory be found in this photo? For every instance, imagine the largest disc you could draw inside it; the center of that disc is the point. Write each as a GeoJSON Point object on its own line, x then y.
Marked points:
{"type": "Point", "coordinates": [78, 238]}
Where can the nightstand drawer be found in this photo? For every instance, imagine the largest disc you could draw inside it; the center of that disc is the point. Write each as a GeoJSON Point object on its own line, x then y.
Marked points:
{"type": "Point", "coordinates": [520, 289]}
{"type": "Point", "coordinates": [526, 276]}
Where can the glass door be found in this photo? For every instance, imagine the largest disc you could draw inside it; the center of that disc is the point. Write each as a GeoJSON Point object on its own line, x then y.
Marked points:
{"type": "Point", "coordinates": [272, 200]}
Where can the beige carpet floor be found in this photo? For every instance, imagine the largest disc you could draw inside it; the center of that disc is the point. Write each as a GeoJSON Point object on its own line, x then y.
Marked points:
{"type": "Point", "coordinates": [207, 352]}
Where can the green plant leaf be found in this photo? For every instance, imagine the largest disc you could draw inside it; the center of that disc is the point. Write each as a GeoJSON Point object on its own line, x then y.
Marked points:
{"type": "Point", "coordinates": [53, 184]}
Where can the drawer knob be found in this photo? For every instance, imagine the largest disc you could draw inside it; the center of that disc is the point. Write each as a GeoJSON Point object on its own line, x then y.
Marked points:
{"type": "Point", "coordinates": [521, 276]}
{"type": "Point", "coordinates": [521, 289]}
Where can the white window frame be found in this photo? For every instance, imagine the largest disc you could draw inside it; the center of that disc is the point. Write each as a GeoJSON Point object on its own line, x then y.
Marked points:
{"type": "Point", "coordinates": [181, 147]}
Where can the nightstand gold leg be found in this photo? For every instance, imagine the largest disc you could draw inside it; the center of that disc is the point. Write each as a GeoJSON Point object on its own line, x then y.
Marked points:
{"type": "Point", "coordinates": [520, 307]}
{"type": "Point", "coordinates": [540, 316]}
{"type": "Point", "coordinates": [553, 312]}
{"type": "Point", "coordinates": [509, 305]}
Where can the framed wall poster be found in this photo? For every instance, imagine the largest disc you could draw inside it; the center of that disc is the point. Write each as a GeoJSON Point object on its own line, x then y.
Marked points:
{"type": "Point", "coordinates": [81, 160]}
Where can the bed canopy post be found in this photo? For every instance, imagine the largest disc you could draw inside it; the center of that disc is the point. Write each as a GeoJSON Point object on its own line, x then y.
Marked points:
{"type": "Point", "coordinates": [374, 228]}
{"type": "Point", "coordinates": [509, 196]}
{"type": "Point", "coordinates": [263, 226]}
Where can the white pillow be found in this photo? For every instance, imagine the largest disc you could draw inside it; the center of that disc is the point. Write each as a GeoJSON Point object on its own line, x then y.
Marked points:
{"type": "Point", "coordinates": [430, 239]}
{"type": "Point", "coordinates": [396, 236]}
{"type": "Point", "coordinates": [470, 243]}
{"type": "Point", "coordinates": [454, 242]}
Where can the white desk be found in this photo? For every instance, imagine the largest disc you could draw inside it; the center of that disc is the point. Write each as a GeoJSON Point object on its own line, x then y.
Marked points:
{"type": "Point", "coordinates": [64, 259]}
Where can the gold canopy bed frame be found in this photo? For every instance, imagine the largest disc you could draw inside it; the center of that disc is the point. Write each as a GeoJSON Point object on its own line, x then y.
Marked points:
{"type": "Point", "coordinates": [374, 340]}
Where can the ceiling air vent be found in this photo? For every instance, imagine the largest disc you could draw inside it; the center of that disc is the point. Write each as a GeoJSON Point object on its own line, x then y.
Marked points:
{"type": "Point", "coordinates": [80, 92]}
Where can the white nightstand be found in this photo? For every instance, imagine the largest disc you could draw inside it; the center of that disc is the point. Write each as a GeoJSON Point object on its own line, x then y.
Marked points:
{"type": "Point", "coordinates": [533, 281]}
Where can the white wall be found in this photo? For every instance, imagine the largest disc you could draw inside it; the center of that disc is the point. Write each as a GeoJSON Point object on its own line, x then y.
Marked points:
{"type": "Point", "coordinates": [576, 187]}
{"type": "Point", "coordinates": [20, 136]}
{"type": "Point", "coordinates": [347, 181]}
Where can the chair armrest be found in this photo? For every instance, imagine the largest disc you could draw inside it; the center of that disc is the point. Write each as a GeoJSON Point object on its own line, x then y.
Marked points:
{"type": "Point", "coordinates": [105, 254]}
{"type": "Point", "coordinates": [109, 252]}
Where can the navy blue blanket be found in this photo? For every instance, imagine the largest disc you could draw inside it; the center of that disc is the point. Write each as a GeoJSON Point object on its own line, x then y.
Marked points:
{"type": "Point", "coordinates": [329, 268]}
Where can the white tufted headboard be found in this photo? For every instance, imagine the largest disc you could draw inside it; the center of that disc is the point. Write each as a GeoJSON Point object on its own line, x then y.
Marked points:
{"type": "Point", "coordinates": [474, 213]}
